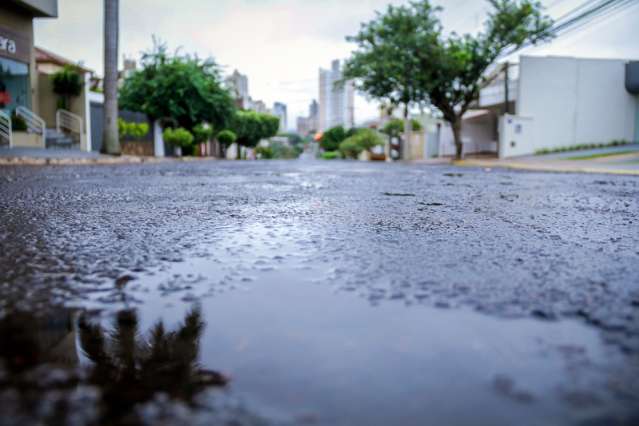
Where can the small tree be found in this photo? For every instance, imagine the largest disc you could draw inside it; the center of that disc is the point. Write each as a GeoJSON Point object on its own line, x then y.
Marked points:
{"type": "Point", "coordinates": [202, 133]}
{"type": "Point", "coordinates": [251, 127]}
{"type": "Point", "coordinates": [226, 137]}
{"type": "Point", "coordinates": [178, 137]}
{"type": "Point", "coordinates": [395, 127]}
{"type": "Point", "coordinates": [332, 138]}
{"type": "Point", "coordinates": [67, 83]}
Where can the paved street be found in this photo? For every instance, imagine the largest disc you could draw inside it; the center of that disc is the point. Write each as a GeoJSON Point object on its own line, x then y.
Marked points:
{"type": "Point", "coordinates": [328, 293]}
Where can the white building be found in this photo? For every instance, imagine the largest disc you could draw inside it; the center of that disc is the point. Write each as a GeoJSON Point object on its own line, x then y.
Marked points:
{"type": "Point", "coordinates": [336, 102]}
{"type": "Point", "coordinates": [280, 110]}
{"type": "Point", "coordinates": [238, 84]}
{"type": "Point", "coordinates": [551, 102]}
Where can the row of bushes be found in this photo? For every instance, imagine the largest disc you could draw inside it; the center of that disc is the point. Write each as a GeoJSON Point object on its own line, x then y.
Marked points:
{"type": "Point", "coordinates": [581, 147]}
{"type": "Point", "coordinates": [340, 143]}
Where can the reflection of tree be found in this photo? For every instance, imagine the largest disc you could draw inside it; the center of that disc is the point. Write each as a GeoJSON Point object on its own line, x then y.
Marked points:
{"type": "Point", "coordinates": [131, 369]}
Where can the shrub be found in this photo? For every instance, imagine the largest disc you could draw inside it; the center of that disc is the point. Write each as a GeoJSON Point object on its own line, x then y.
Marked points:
{"type": "Point", "coordinates": [332, 138]}
{"type": "Point", "coordinates": [581, 147]}
{"type": "Point", "coordinates": [202, 133]}
{"type": "Point", "coordinates": [395, 127]}
{"type": "Point", "coordinates": [264, 152]}
{"type": "Point", "coordinates": [226, 137]}
{"type": "Point", "coordinates": [362, 140]}
{"type": "Point", "coordinates": [350, 148]}
{"type": "Point", "coordinates": [132, 130]}
{"type": "Point", "coordinates": [66, 84]}
{"type": "Point", "coordinates": [331, 155]}
{"type": "Point", "coordinates": [178, 137]}
{"type": "Point", "coordinates": [17, 123]}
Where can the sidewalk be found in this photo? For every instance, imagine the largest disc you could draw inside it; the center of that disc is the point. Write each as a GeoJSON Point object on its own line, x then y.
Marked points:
{"type": "Point", "coordinates": [69, 157]}
{"type": "Point", "coordinates": [622, 160]}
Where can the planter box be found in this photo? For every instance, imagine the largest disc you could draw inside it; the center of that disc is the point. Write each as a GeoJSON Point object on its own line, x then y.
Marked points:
{"type": "Point", "coordinates": [27, 140]}
{"type": "Point", "coordinates": [138, 148]}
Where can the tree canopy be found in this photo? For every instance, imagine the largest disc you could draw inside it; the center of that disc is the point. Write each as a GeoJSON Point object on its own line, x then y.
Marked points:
{"type": "Point", "coordinates": [404, 57]}
{"type": "Point", "coordinates": [332, 138]}
{"type": "Point", "coordinates": [251, 127]}
{"type": "Point", "coordinates": [181, 89]}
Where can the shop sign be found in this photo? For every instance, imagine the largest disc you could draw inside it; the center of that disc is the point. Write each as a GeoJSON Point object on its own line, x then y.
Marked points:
{"type": "Point", "coordinates": [14, 46]}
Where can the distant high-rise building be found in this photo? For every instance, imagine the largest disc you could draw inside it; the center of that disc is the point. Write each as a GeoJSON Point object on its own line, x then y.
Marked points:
{"type": "Point", "coordinates": [238, 84]}
{"type": "Point", "coordinates": [280, 110]}
{"type": "Point", "coordinates": [310, 124]}
{"type": "Point", "coordinates": [336, 102]}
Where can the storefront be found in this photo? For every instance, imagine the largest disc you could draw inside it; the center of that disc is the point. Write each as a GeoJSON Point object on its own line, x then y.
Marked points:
{"type": "Point", "coordinates": [18, 80]}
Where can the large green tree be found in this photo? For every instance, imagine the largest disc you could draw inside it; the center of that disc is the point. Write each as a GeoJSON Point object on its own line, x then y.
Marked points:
{"type": "Point", "coordinates": [386, 65]}
{"type": "Point", "coordinates": [182, 90]}
{"type": "Point", "coordinates": [450, 70]}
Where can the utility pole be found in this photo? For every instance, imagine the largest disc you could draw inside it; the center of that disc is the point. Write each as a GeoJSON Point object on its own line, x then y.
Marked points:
{"type": "Point", "coordinates": [506, 88]}
{"type": "Point", "coordinates": [111, 143]}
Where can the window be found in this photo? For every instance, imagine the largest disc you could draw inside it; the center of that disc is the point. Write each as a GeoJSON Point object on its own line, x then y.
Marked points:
{"type": "Point", "coordinates": [14, 84]}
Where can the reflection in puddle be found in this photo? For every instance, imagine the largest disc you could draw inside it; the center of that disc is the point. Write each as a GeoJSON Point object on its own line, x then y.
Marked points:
{"type": "Point", "coordinates": [50, 361]}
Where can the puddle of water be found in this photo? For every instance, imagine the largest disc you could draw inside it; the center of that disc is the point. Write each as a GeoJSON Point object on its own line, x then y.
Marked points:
{"type": "Point", "coordinates": [296, 350]}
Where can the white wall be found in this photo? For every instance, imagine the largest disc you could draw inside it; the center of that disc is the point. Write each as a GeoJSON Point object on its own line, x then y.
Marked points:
{"type": "Point", "coordinates": [574, 101]}
{"type": "Point", "coordinates": [516, 135]}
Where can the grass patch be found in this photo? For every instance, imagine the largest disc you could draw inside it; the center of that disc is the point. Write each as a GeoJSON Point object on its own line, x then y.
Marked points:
{"type": "Point", "coordinates": [600, 155]}
{"type": "Point", "coordinates": [583, 147]}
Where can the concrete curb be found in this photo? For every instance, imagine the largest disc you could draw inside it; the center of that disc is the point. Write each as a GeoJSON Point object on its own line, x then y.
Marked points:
{"type": "Point", "coordinates": [104, 160]}
{"type": "Point", "coordinates": [553, 168]}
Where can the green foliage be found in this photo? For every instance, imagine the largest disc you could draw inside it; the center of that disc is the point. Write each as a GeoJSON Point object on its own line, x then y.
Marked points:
{"type": "Point", "coordinates": [583, 146]}
{"type": "Point", "coordinates": [332, 138]}
{"type": "Point", "coordinates": [67, 83]}
{"type": "Point", "coordinates": [283, 151]}
{"type": "Point", "coordinates": [403, 57]}
{"type": "Point", "coordinates": [362, 140]}
{"type": "Point", "coordinates": [132, 130]}
{"type": "Point", "coordinates": [264, 152]}
{"type": "Point", "coordinates": [226, 137]}
{"type": "Point", "coordinates": [251, 127]}
{"type": "Point", "coordinates": [395, 127]}
{"type": "Point", "coordinates": [17, 123]}
{"type": "Point", "coordinates": [331, 155]}
{"type": "Point", "coordinates": [293, 138]}
{"type": "Point", "coordinates": [182, 90]}
{"type": "Point", "coordinates": [350, 148]}
{"type": "Point", "coordinates": [202, 133]}
{"type": "Point", "coordinates": [178, 137]}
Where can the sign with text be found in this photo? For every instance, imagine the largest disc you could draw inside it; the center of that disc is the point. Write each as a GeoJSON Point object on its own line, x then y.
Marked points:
{"type": "Point", "coordinates": [14, 46]}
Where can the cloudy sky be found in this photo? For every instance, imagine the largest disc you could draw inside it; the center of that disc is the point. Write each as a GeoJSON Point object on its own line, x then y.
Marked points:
{"type": "Point", "coordinates": [280, 44]}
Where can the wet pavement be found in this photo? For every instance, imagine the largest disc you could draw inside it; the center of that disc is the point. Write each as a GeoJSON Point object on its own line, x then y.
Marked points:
{"type": "Point", "coordinates": [317, 293]}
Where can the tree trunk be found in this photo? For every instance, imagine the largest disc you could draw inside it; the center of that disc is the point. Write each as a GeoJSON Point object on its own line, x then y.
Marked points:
{"type": "Point", "coordinates": [408, 130]}
{"type": "Point", "coordinates": [459, 147]}
{"type": "Point", "coordinates": [111, 30]}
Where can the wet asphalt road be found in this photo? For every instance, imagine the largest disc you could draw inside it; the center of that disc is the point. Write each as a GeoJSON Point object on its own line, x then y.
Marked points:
{"type": "Point", "coordinates": [530, 253]}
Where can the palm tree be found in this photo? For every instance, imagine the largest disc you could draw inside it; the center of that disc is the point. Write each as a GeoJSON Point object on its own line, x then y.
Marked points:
{"type": "Point", "coordinates": [111, 30]}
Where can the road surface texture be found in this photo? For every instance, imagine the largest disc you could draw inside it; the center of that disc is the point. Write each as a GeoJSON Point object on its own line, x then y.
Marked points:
{"type": "Point", "coordinates": [317, 293]}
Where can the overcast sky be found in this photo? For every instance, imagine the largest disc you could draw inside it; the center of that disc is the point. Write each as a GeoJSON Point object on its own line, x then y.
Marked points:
{"type": "Point", "coordinates": [280, 44]}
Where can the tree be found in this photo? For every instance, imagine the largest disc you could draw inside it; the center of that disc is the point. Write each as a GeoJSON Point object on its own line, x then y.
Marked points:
{"type": "Point", "coordinates": [67, 83]}
{"type": "Point", "coordinates": [251, 127]}
{"type": "Point", "coordinates": [449, 71]}
{"type": "Point", "coordinates": [226, 137]}
{"type": "Point", "coordinates": [111, 35]}
{"type": "Point", "coordinates": [458, 69]}
{"type": "Point", "coordinates": [386, 63]}
{"type": "Point", "coordinates": [332, 138]}
{"type": "Point", "coordinates": [182, 90]}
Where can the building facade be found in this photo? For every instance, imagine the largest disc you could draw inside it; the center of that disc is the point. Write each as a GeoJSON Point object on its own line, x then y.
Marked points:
{"type": "Point", "coordinates": [238, 84]}
{"type": "Point", "coordinates": [18, 75]}
{"type": "Point", "coordinates": [549, 102]}
{"type": "Point", "coordinates": [336, 101]}
{"type": "Point", "coordinates": [281, 111]}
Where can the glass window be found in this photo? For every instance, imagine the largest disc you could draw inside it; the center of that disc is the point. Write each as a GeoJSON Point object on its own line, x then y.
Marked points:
{"type": "Point", "coordinates": [14, 84]}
